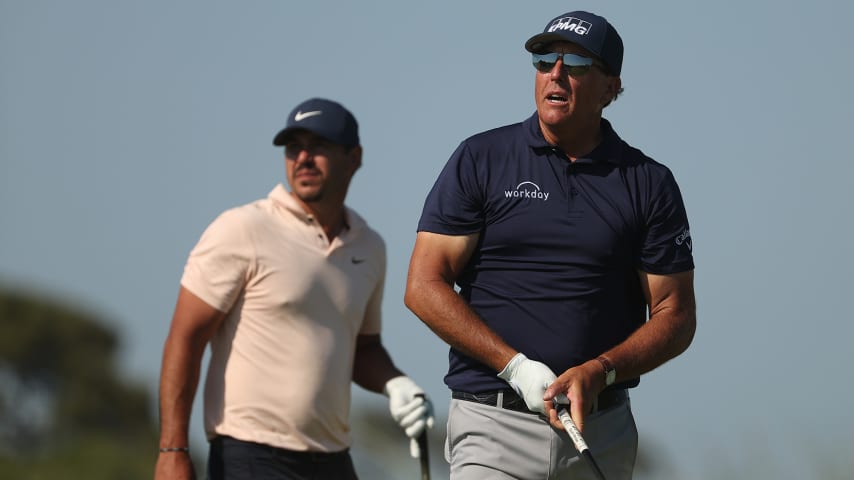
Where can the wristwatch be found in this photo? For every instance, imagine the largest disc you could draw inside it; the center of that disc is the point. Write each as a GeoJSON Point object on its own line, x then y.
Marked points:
{"type": "Point", "coordinates": [610, 371]}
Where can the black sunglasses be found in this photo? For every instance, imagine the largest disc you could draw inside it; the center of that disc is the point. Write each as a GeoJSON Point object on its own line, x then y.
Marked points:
{"type": "Point", "coordinates": [574, 65]}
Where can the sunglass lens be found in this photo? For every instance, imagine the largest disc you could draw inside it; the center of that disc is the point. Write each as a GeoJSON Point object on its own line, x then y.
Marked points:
{"type": "Point", "coordinates": [544, 62]}
{"type": "Point", "coordinates": [571, 60]}
{"type": "Point", "coordinates": [544, 66]}
{"type": "Point", "coordinates": [575, 65]}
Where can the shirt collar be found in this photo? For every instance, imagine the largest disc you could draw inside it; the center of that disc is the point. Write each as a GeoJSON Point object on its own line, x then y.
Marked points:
{"type": "Point", "coordinates": [282, 197]}
{"type": "Point", "coordinates": [607, 151]}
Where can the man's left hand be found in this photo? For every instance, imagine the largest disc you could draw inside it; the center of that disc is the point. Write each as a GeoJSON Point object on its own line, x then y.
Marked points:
{"type": "Point", "coordinates": [410, 408]}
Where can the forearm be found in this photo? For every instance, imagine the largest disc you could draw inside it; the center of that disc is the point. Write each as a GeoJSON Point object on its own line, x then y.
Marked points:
{"type": "Point", "coordinates": [440, 307]}
{"type": "Point", "coordinates": [666, 335]}
{"type": "Point", "coordinates": [372, 365]}
{"type": "Point", "coordinates": [179, 378]}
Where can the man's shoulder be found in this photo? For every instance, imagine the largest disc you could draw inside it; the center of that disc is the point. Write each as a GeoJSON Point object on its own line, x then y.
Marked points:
{"type": "Point", "coordinates": [616, 149]}
{"type": "Point", "coordinates": [500, 134]}
{"type": "Point", "coordinates": [498, 144]}
{"type": "Point", "coordinates": [643, 171]}
{"type": "Point", "coordinates": [633, 157]}
{"type": "Point", "coordinates": [256, 211]}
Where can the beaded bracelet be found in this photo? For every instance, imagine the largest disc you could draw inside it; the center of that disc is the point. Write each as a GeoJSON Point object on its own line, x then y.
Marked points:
{"type": "Point", "coordinates": [175, 449]}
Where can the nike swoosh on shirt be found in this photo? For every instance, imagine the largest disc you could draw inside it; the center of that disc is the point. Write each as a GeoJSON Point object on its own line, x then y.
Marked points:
{"type": "Point", "coordinates": [300, 116]}
{"type": "Point", "coordinates": [357, 261]}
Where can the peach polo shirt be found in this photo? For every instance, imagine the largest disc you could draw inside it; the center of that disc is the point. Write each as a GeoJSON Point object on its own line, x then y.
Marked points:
{"type": "Point", "coordinates": [281, 364]}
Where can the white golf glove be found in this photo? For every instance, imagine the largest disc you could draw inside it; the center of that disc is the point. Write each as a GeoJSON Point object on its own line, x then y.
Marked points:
{"type": "Point", "coordinates": [530, 379]}
{"type": "Point", "coordinates": [410, 408]}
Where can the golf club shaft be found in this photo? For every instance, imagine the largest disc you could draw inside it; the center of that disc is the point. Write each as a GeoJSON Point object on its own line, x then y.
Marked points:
{"type": "Point", "coordinates": [425, 456]}
{"type": "Point", "coordinates": [578, 440]}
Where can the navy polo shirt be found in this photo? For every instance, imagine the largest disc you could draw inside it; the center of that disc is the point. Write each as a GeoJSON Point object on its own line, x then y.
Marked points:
{"type": "Point", "coordinates": [555, 270]}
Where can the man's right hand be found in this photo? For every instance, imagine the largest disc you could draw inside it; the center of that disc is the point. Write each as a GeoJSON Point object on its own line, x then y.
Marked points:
{"type": "Point", "coordinates": [529, 379]}
{"type": "Point", "coordinates": [174, 466]}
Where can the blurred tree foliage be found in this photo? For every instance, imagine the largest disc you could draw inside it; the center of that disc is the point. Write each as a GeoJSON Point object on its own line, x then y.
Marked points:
{"type": "Point", "coordinates": [65, 411]}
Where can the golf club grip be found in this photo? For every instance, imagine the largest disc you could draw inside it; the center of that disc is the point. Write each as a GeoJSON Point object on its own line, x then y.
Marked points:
{"type": "Point", "coordinates": [578, 440]}
{"type": "Point", "coordinates": [571, 429]}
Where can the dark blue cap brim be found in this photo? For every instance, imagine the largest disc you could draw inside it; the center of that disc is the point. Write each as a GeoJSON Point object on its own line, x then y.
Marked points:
{"type": "Point", "coordinates": [283, 136]}
{"type": "Point", "coordinates": [324, 118]}
{"type": "Point", "coordinates": [538, 43]}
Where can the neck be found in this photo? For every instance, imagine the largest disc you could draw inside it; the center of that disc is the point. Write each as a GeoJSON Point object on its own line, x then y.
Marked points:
{"type": "Point", "coordinates": [575, 140]}
{"type": "Point", "coordinates": [331, 218]}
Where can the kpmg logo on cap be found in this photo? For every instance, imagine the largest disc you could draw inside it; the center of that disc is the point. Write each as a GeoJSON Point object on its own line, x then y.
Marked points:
{"type": "Point", "coordinates": [571, 24]}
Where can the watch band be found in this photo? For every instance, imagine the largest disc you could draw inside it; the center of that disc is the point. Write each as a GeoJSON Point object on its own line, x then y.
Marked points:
{"type": "Point", "coordinates": [610, 371]}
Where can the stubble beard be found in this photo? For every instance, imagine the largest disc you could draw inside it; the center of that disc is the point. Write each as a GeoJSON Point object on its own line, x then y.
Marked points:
{"type": "Point", "coordinates": [310, 197]}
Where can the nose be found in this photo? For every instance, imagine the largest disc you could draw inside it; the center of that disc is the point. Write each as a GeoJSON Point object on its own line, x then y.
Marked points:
{"type": "Point", "coordinates": [304, 153]}
{"type": "Point", "coordinates": [557, 71]}
{"type": "Point", "coordinates": [300, 153]}
{"type": "Point", "coordinates": [304, 157]}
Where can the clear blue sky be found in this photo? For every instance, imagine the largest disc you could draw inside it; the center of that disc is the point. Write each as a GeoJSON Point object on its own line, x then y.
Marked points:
{"type": "Point", "coordinates": [125, 127]}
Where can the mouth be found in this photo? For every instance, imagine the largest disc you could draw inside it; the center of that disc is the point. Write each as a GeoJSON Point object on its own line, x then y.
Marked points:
{"type": "Point", "coordinates": [306, 171]}
{"type": "Point", "coordinates": [306, 175]}
{"type": "Point", "coordinates": [556, 98]}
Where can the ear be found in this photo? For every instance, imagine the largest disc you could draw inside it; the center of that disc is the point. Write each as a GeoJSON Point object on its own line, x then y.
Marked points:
{"type": "Point", "coordinates": [355, 155]}
{"type": "Point", "coordinates": [613, 88]}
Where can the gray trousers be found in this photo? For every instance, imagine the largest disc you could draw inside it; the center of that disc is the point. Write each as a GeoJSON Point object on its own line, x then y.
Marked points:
{"type": "Point", "coordinates": [491, 443]}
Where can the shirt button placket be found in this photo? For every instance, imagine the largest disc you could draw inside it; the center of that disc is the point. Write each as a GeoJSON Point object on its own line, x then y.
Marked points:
{"type": "Point", "coordinates": [570, 184]}
{"type": "Point", "coordinates": [320, 238]}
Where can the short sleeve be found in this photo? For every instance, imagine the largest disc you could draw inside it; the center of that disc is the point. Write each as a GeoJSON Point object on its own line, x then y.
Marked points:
{"type": "Point", "coordinates": [454, 205]}
{"type": "Point", "coordinates": [217, 268]}
{"type": "Point", "coordinates": [666, 244]}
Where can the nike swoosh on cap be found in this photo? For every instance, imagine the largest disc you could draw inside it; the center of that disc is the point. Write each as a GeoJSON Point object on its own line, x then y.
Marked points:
{"type": "Point", "coordinates": [300, 116]}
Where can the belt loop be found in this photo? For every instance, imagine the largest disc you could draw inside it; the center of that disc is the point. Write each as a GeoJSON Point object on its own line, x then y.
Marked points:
{"type": "Point", "coordinates": [499, 402]}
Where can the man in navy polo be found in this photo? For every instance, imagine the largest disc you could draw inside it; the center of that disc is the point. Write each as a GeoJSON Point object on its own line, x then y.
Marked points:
{"type": "Point", "coordinates": [572, 254]}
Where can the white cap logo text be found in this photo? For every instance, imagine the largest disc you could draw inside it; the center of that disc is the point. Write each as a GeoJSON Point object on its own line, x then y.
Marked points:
{"type": "Point", "coordinates": [571, 24]}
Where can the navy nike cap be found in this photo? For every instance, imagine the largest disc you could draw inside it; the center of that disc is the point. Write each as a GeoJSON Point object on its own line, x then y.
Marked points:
{"type": "Point", "coordinates": [325, 118]}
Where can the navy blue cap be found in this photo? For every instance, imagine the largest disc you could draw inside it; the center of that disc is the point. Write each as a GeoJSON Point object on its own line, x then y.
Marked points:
{"type": "Point", "coordinates": [587, 30]}
{"type": "Point", "coordinates": [324, 118]}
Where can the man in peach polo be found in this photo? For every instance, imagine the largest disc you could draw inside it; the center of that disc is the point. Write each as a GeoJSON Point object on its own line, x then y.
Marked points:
{"type": "Point", "coordinates": [287, 290]}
